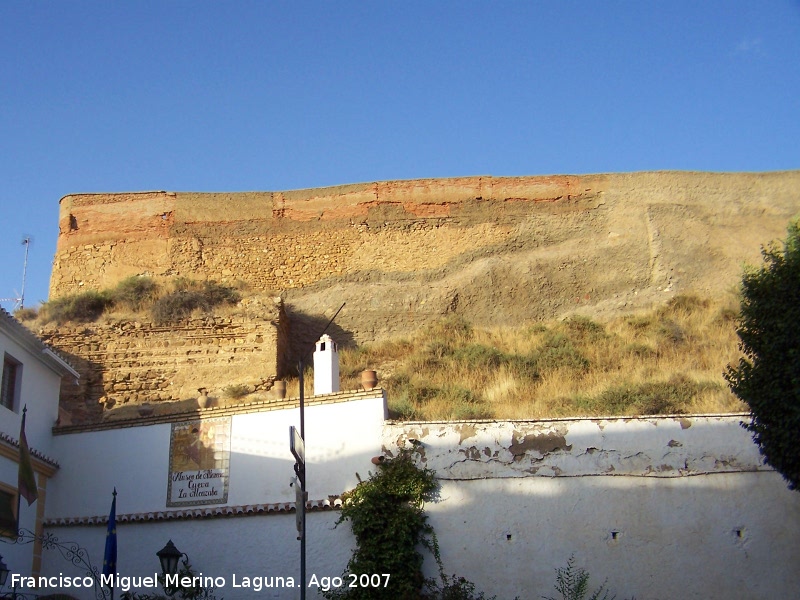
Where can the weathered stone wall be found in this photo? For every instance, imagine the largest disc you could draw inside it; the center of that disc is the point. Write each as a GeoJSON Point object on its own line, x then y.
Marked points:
{"type": "Point", "coordinates": [496, 250]}
{"type": "Point", "coordinates": [129, 363]}
{"type": "Point", "coordinates": [283, 240]}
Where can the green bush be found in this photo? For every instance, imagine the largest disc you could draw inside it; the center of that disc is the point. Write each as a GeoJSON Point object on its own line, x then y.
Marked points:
{"type": "Point", "coordinates": [457, 588]}
{"type": "Point", "coordinates": [767, 376]}
{"type": "Point", "coordinates": [558, 352]}
{"type": "Point", "coordinates": [216, 294]}
{"type": "Point", "coordinates": [650, 398]}
{"type": "Point", "coordinates": [478, 356]}
{"type": "Point", "coordinates": [573, 584]}
{"type": "Point", "coordinates": [190, 296]}
{"type": "Point", "coordinates": [237, 390]}
{"type": "Point", "coordinates": [684, 303]}
{"type": "Point", "coordinates": [640, 350]}
{"type": "Point", "coordinates": [79, 308]}
{"type": "Point", "coordinates": [387, 519]}
{"type": "Point", "coordinates": [134, 292]}
{"type": "Point", "coordinates": [583, 329]}
{"type": "Point", "coordinates": [26, 314]}
{"type": "Point", "coordinates": [176, 306]}
{"type": "Point", "coordinates": [449, 329]}
{"type": "Point", "coordinates": [401, 408]}
{"type": "Point", "coordinates": [466, 404]}
{"type": "Point", "coordinates": [671, 332]}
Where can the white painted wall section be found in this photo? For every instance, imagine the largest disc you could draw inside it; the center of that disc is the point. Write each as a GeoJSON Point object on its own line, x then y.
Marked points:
{"type": "Point", "coordinates": [341, 437]}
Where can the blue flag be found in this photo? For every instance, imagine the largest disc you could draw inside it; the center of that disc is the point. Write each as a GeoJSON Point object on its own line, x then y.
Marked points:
{"type": "Point", "coordinates": [110, 556]}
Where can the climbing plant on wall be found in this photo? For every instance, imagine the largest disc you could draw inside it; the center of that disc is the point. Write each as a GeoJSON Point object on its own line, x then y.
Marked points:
{"type": "Point", "coordinates": [389, 523]}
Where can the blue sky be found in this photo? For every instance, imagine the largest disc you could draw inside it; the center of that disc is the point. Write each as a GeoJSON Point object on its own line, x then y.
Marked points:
{"type": "Point", "coordinates": [233, 96]}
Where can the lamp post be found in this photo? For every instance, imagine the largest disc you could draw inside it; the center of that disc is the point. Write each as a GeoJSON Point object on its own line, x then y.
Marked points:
{"type": "Point", "coordinates": [170, 556]}
{"type": "Point", "coordinates": [4, 571]}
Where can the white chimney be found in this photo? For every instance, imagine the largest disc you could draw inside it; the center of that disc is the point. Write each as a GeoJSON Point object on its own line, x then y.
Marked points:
{"type": "Point", "coordinates": [326, 366]}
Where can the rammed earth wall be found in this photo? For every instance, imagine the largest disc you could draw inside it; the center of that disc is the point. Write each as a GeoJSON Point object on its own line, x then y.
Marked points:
{"type": "Point", "coordinates": [280, 240]}
{"type": "Point", "coordinates": [401, 254]}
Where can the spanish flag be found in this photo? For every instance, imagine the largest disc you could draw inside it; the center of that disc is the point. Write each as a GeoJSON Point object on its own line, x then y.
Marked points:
{"type": "Point", "coordinates": [26, 479]}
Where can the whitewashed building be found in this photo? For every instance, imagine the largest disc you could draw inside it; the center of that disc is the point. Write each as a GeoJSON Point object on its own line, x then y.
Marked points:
{"type": "Point", "coordinates": [31, 378]}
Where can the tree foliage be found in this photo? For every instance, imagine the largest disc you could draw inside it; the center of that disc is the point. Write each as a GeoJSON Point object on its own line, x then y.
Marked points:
{"type": "Point", "coordinates": [767, 377]}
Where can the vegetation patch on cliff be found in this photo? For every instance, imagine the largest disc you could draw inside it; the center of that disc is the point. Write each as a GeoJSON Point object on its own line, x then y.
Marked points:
{"type": "Point", "coordinates": [166, 303]}
{"type": "Point", "coordinates": [666, 361]}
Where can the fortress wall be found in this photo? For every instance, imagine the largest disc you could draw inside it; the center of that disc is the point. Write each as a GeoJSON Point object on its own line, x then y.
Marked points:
{"type": "Point", "coordinates": [126, 364]}
{"type": "Point", "coordinates": [285, 240]}
{"type": "Point", "coordinates": [401, 254]}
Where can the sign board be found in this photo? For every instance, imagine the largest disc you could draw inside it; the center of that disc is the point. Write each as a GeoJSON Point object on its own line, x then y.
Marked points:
{"type": "Point", "coordinates": [296, 445]}
{"type": "Point", "coordinates": [199, 459]}
{"type": "Point", "coordinates": [300, 498]}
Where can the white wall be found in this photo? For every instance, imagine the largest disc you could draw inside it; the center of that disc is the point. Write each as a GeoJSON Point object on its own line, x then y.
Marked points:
{"type": "Point", "coordinates": [696, 513]}
{"type": "Point", "coordinates": [341, 438]}
{"type": "Point", "coordinates": [17, 556]}
{"type": "Point", "coordinates": [665, 508]}
{"type": "Point", "coordinates": [40, 390]}
{"type": "Point", "coordinates": [255, 546]}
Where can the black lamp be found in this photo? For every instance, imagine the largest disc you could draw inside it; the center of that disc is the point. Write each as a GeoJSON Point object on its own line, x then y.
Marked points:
{"type": "Point", "coordinates": [169, 556]}
{"type": "Point", "coordinates": [4, 571]}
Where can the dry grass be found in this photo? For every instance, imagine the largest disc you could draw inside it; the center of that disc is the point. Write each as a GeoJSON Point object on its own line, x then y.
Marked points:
{"type": "Point", "coordinates": [668, 361]}
{"type": "Point", "coordinates": [176, 300]}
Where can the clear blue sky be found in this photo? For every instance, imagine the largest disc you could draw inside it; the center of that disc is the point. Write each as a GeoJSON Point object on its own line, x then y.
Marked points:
{"type": "Point", "coordinates": [230, 96]}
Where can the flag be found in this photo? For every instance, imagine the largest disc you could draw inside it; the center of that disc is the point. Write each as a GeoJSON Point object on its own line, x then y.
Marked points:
{"type": "Point", "coordinates": [26, 479]}
{"type": "Point", "coordinates": [110, 556]}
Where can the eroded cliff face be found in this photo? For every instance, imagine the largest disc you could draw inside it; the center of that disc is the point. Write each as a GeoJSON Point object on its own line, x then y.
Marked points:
{"type": "Point", "coordinates": [404, 253]}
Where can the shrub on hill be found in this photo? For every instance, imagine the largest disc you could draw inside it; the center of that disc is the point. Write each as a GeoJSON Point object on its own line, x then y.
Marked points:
{"type": "Point", "coordinates": [190, 296]}
{"type": "Point", "coordinates": [134, 293]}
{"type": "Point", "coordinates": [79, 308]}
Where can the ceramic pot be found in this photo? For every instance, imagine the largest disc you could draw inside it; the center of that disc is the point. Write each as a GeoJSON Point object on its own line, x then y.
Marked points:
{"type": "Point", "coordinates": [369, 379]}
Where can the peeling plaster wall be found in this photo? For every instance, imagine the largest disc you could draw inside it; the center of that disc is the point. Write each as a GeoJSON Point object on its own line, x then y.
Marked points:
{"type": "Point", "coordinates": [655, 446]}
{"type": "Point", "coordinates": [664, 507]}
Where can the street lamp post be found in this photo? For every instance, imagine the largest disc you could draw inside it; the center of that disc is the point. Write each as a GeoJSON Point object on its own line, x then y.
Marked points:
{"type": "Point", "coordinates": [169, 557]}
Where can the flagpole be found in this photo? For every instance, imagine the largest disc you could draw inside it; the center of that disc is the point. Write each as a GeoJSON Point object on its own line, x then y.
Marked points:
{"type": "Point", "coordinates": [110, 553]}
{"type": "Point", "coordinates": [19, 492]}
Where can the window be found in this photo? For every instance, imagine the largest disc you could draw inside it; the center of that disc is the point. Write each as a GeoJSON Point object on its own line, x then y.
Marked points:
{"type": "Point", "coordinates": [8, 511]}
{"type": "Point", "coordinates": [12, 378]}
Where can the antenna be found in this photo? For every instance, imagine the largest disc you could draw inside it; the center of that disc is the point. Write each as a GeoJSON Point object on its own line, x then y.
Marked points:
{"type": "Point", "coordinates": [26, 241]}
{"type": "Point", "coordinates": [19, 299]}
